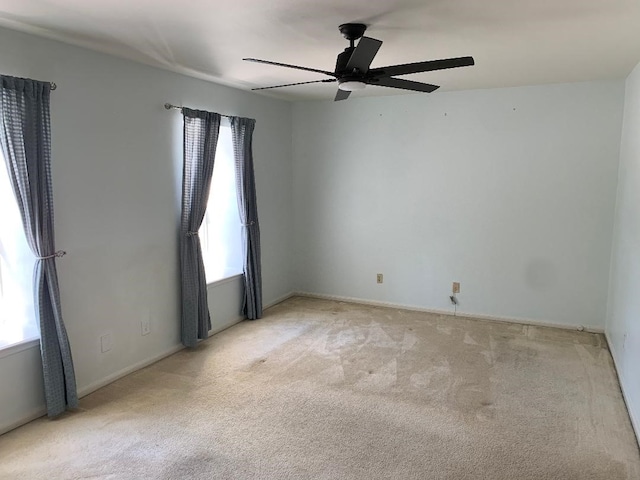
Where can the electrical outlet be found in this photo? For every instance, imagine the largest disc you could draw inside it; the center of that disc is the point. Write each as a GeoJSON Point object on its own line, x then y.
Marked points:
{"type": "Point", "coordinates": [379, 278]}
{"type": "Point", "coordinates": [456, 287]}
{"type": "Point", "coordinates": [145, 327]}
{"type": "Point", "coordinates": [106, 343]}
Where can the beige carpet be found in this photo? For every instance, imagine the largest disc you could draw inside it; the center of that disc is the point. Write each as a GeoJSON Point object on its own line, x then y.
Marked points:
{"type": "Point", "coordinates": [326, 390]}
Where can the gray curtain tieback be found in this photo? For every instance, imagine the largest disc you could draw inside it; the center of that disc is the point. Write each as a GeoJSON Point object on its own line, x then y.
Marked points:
{"type": "Point", "coordinates": [248, 224]}
{"type": "Point", "coordinates": [192, 234]}
{"type": "Point", "coordinates": [58, 254]}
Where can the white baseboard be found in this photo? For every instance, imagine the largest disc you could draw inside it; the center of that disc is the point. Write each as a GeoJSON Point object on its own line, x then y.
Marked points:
{"type": "Point", "coordinates": [84, 391]}
{"type": "Point", "coordinates": [103, 382]}
{"type": "Point", "coordinates": [415, 308]}
{"type": "Point", "coordinates": [279, 300]}
{"type": "Point", "coordinates": [170, 351]}
{"type": "Point", "coordinates": [36, 413]}
{"type": "Point", "coordinates": [635, 424]}
{"type": "Point", "coordinates": [230, 324]}
{"type": "Point", "coordinates": [176, 348]}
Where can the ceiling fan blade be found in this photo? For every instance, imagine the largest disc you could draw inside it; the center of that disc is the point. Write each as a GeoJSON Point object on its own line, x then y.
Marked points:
{"type": "Point", "coordinates": [363, 55]}
{"type": "Point", "coordinates": [419, 67]}
{"type": "Point", "coordinates": [341, 95]}
{"type": "Point", "coordinates": [328, 80]}
{"type": "Point", "coordinates": [267, 62]}
{"type": "Point", "coordinates": [403, 84]}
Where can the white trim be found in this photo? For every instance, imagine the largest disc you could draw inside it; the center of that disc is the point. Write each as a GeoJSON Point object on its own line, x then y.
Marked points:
{"type": "Point", "coordinates": [170, 351]}
{"type": "Point", "coordinates": [92, 387]}
{"type": "Point", "coordinates": [14, 348]}
{"type": "Point", "coordinates": [224, 280]}
{"type": "Point", "coordinates": [239, 318]}
{"type": "Point", "coordinates": [634, 420]}
{"type": "Point", "coordinates": [175, 349]}
{"type": "Point", "coordinates": [279, 300]}
{"type": "Point", "coordinates": [83, 392]}
{"type": "Point", "coordinates": [523, 321]}
{"type": "Point", "coordinates": [233, 322]}
{"type": "Point", "coordinates": [31, 416]}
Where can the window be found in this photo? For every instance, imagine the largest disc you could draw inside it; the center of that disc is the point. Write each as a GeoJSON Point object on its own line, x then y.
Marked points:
{"type": "Point", "coordinates": [220, 233]}
{"type": "Point", "coordinates": [17, 317]}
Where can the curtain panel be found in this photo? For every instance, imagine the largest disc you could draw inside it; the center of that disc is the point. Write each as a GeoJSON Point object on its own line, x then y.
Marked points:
{"type": "Point", "coordinates": [201, 131]}
{"type": "Point", "coordinates": [242, 132]}
{"type": "Point", "coordinates": [25, 139]}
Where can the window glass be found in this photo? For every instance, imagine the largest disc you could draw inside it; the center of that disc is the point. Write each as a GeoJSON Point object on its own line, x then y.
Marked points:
{"type": "Point", "coordinates": [220, 233]}
{"type": "Point", "coordinates": [17, 316]}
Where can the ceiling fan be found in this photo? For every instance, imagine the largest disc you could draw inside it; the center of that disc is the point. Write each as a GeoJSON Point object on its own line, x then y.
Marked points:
{"type": "Point", "coordinates": [352, 70]}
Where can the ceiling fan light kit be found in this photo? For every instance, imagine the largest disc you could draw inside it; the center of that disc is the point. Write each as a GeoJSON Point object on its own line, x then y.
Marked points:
{"type": "Point", "coordinates": [351, 85]}
{"type": "Point", "coordinates": [352, 70]}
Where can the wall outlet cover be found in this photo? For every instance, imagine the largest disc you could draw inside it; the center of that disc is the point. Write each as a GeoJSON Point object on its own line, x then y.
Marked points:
{"type": "Point", "coordinates": [145, 327]}
{"type": "Point", "coordinates": [106, 343]}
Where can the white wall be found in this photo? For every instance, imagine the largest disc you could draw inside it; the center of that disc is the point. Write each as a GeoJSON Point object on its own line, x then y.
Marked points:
{"type": "Point", "coordinates": [623, 318]}
{"type": "Point", "coordinates": [116, 174]}
{"type": "Point", "coordinates": [509, 191]}
{"type": "Point", "coordinates": [22, 393]}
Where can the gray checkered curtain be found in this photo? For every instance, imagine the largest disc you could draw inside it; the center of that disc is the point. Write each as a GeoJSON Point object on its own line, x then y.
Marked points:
{"type": "Point", "coordinates": [25, 138]}
{"type": "Point", "coordinates": [201, 130]}
{"type": "Point", "coordinates": [242, 131]}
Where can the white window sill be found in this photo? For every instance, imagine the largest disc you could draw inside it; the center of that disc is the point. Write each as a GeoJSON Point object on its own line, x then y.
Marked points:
{"type": "Point", "coordinates": [223, 280]}
{"type": "Point", "coordinates": [13, 348]}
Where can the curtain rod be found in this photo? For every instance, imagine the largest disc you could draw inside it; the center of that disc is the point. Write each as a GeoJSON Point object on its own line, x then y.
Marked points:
{"type": "Point", "coordinates": [51, 84]}
{"type": "Point", "coordinates": [170, 106]}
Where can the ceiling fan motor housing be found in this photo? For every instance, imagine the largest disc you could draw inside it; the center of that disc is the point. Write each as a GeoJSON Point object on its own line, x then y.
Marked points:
{"type": "Point", "coordinates": [352, 31]}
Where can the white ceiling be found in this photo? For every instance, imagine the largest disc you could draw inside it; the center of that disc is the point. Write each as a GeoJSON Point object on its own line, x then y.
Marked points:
{"type": "Point", "coordinates": [514, 42]}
